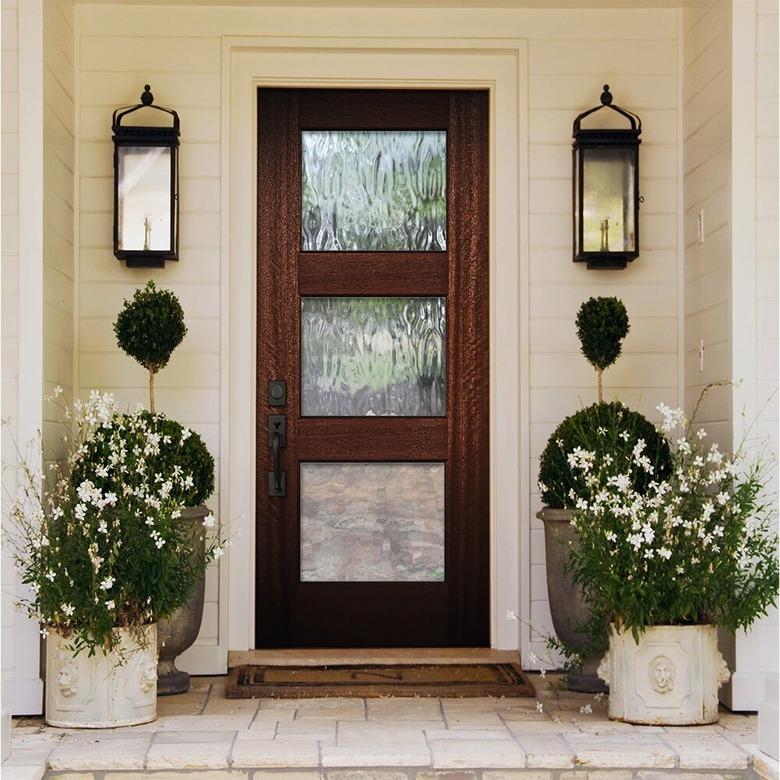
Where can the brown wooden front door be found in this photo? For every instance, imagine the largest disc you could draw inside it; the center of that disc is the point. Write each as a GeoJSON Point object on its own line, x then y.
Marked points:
{"type": "Point", "coordinates": [372, 369]}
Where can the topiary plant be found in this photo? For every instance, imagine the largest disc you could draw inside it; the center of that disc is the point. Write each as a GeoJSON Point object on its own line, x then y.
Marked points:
{"type": "Point", "coordinates": [602, 324]}
{"type": "Point", "coordinates": [610, 431]}
{"type": "Point", "coordinates": [149, 328]}
{"type": "Point", "coordinates": [174, 450]}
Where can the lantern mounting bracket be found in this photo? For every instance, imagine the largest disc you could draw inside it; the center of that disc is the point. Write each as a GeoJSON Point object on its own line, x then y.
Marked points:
{"type": "Point", "coordinates": [606, 102]}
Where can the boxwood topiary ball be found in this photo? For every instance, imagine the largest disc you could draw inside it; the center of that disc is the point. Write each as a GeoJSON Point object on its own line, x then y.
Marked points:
{"type": "Point", "coordinates": [602, 324]}
{"type": "Point", "coordinates": [610, 430]}
{"type": "Point", "coordinates": [150, 326]}
{"type": "Point", "coordinates": [176, 448]}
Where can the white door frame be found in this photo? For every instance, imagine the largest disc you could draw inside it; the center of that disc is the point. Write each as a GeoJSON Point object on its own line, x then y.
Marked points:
{"type": "Point", "coordinates": [499, 65]}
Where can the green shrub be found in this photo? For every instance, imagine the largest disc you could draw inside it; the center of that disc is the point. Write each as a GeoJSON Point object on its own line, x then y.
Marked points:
{"type": "Point", "coordinates": [611, 431]}
{"type": "Point", "coordinates": [180, 451]}
{"type": "Point", "coordinates": [697, 547]}
{"type": "Point", "coordinates": [149, 328]}
{"type": "Point", "coordinates": [602, 324]}
{"type": "Point", "coordinates": [104, 547]}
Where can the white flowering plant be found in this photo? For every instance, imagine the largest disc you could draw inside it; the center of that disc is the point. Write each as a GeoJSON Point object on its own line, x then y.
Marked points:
{"type": "Point", "coordinates": [97, 559]}
{"type": "Point", "coordinates": [696, 547]}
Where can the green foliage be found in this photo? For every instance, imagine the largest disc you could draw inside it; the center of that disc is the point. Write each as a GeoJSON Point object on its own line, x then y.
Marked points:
{"type": "Point", "coordinates": [694, 548]}
{"type": "Point", "coordinates": [150, 326]}
{"type": "Point", "coordinates": [180, 450]}
{"type": "Point", "coordinates": [113, 552]}
{"type": "Point", "coordinates": [610, 431]}
{"type": "Point", "coordinates": [602, 324]}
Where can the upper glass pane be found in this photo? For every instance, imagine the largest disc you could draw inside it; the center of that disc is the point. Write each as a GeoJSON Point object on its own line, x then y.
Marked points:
{"type": "Point", "coordinates": [373, 356]}
{"type": "Point", "coordinates": [144, 202]}
{"type": "Point", "coordinates": [374, 190]}
{"type": "Point", "coordinates": [608, 200]}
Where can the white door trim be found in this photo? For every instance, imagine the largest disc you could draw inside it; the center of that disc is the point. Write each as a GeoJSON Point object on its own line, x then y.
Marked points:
{"type": "Point", "coordinates": [499, 65]}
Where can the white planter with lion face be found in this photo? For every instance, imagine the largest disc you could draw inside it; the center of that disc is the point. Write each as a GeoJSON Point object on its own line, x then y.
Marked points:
{"type": "Point", "coordinates": [102, 691]}
{"type": "Point", "coordinates": [670, 677]}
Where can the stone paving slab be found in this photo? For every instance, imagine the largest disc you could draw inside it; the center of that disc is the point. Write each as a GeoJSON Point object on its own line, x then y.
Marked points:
{"type": "Point", "coordinates": [563, 736]}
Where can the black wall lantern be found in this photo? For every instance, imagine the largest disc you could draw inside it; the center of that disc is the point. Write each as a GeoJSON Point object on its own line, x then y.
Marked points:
{"type": "Point", "coordinates": [146, 188]}
{"type": "Point", "coordinates": [606, 190]}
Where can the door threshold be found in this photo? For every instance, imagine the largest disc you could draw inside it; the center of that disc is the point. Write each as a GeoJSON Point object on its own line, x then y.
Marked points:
{"type": "Point", "coordinates": [373, 655]}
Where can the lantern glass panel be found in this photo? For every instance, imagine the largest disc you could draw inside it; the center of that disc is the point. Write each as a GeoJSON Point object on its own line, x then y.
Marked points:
{"type": "Point", "coordinates": [144, 198]}
{"type": "Point", "coordinates": [608, 199]}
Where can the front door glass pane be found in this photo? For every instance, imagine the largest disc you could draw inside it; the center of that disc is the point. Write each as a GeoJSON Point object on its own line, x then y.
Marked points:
{"type": "Point", "coordinates": [372, 522]}
{"type": "Point", "coordinates": [374, 190]}
{"type": "Point", "coordinates": [373, 356]}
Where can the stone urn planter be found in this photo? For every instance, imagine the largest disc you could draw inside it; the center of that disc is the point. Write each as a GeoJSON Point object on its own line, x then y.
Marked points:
{"type": "Point", "coordinates": [106, 690]}
{"type": "Point", "coordinates": [176, 633]}
{"type": "Point", "coordinates": [567, 606]}
{"type": "Point", "coordinates": [670, 677]}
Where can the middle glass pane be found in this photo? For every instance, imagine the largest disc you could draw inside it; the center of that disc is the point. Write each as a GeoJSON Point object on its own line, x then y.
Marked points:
{"type": "Point", "coordinates": [373, 190]}
{"type": "Point", "coordinates": [373, 356]}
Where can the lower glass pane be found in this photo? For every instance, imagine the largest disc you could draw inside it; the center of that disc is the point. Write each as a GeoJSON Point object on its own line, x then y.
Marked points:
{"type": "Point", "coordinates": [372, 522]}
{"type": "Point", "coordinates": [381, 356]}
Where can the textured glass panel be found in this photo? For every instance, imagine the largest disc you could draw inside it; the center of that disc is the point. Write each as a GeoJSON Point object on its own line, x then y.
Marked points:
{"type": "Point", "coordinates": [144, 198]}
{"type": "Point", "coordinates": [372, 522]}
{"type": "Point", "coordinates": [608, 200]}
{"type": "Point", "coordinates": [371, 190]}
{"type": "Point", "coordinates": [373, 356]}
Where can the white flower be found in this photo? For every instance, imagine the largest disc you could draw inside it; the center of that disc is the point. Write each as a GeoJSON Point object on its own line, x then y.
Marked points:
{"type": "Point", "coordinates": [665, 553]}
{"type": "Point", "coordinates": [107, 583]}
{"type": "Point", "coordinates": [50, 575]}
{"type": "Point", "coordinates": [539, 707]}
{"type": "Point", "coordinates": [701, 434]}
{"type": "Point", "coordinates": [80, 511]}
{"type": "Point", "coordinates": [44, 632]}
{"type": "Point", "coordinates": [218, 552]}
{"type": "Point", "coordinates": [672, 418]}
{"type": "Point", "coordinates": [586, 710]}
{"type": "Point", "coordinates": [67, 609]}
{"type": "Point", "coordinates": [209, 520]}
{"type": "Point", "coordinates": [185, 434]}
{"type": "Point", "coordinates": [110, 604]}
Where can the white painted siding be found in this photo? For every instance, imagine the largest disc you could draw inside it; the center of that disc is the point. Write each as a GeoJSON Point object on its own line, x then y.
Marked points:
{"type": "Point", "coordinates": [707, 166]}
{"type": "Point", "coordinates": [571, 54]}
{"type": "Point", "coordinates": [58, 207]}
{"type": "Point", "coordinates": [10, 307]}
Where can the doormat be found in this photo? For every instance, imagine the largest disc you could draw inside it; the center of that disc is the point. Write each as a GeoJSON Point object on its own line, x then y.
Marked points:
{"type": "Point", "coordinates": [375, 680]}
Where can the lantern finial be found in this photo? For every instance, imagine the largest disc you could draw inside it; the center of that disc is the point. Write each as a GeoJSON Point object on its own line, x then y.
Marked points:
{"type": "Point", "coordinates": [606, 96]}
{"type": "Point", "coordinates": [147, 98]}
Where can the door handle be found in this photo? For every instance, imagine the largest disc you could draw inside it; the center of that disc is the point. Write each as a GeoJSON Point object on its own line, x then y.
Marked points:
{"type": "Point", "coordinates": [275, 446]}
{"type": "Point", "coordinates": [277, 438]}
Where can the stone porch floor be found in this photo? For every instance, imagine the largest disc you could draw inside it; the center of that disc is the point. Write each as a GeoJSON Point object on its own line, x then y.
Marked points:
{"type": "Point", "coordinates": [558, 736]}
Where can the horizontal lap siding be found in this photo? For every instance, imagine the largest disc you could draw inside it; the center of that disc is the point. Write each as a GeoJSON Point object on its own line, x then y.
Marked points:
{"type": "Point", "coordinates": [642, 77]}
{"type": "Point", "coordinates": [707, 180]}
{"type": "Point", "coordinates": [571, 54]}
{"type": "Point", "coordinates": [59, 133]}
{"type": "Point", "coordinates": [183, 73]}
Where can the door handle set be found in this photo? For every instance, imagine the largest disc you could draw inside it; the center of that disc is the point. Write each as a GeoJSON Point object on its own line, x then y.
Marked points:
{"type": "Point", "coordinates": [277, 438]}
